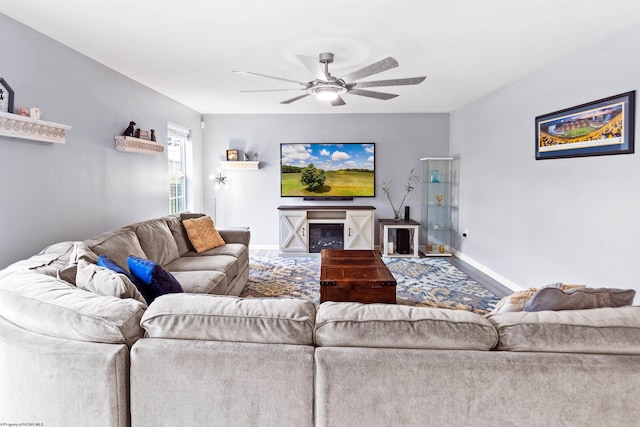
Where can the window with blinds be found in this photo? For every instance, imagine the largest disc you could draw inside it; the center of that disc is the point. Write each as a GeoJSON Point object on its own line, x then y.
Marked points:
{"type": "Point", "coordinates": [177, 138]}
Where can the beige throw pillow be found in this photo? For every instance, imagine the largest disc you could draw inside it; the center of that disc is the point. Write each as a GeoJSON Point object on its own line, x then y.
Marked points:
{"type": "Point", "coordinates": [202, 233]}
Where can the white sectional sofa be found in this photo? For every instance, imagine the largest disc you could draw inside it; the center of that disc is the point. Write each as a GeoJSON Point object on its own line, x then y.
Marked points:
{"type": "Point", "coordinates": [69, 356]}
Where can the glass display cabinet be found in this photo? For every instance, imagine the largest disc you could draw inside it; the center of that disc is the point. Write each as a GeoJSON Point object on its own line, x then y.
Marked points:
{"type": "Point", "coordinates": [435, 230]}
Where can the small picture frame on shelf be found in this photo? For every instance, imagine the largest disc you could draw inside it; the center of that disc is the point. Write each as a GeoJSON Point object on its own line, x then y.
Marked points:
{"type": "Point", "coordinates": [232, 155]}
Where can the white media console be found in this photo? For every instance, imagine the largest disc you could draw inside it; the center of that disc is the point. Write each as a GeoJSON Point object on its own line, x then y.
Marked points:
{"type": "Point", "coordinates": [309, 229]}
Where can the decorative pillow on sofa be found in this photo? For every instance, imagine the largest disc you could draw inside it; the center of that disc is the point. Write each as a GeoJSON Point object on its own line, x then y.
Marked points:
{"type": "Point", "coordinates": [155, 280]}
{"type": "Point", "coordinates": [103, 281]}
{"type": "Point", "coordinates": [554, 299]}
{"type": "Point", "coordinates": [202, 233]}
{"type": "Point", "coordinates": [517, 300]}
{"type": "Point", "coordinates": [105, 262]}
{"type": "Point", "coordinates": [514, 302]}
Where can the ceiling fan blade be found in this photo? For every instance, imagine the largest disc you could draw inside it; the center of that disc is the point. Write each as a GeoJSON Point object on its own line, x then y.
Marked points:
{"type": "Point", "coordinates": [271, 90]}
{"type": "Point", "coordinates": [372, 94]}
{"type": "Point", "coordinates": [269, 77]}
{"type": "Point", "coordinates": [375, 68]}
{"type": "Point", "coordinates": [289, 101]}
{"type": "Point", "coordinates": [314, 66]}
{"type": "Point", "coordinates": [392, 82]}
{"type": "Point", "coordinates": [338, 102]}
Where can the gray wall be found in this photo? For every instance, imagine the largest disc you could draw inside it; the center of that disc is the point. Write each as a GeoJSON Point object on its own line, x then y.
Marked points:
{"type": "Point", "coordinates": [72, 191]}
{"type": "Point", "coordinates": [252, 198]}
{"type": "Point", "coordinates": [564, 220]}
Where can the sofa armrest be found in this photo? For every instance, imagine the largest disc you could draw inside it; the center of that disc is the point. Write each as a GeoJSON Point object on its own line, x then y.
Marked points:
{"type": "Point", "coordinates": [236, 235]}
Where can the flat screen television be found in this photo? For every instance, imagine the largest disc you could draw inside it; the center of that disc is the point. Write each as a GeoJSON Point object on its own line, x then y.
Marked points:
{"type": "Point", "coordinates": [327, 171]}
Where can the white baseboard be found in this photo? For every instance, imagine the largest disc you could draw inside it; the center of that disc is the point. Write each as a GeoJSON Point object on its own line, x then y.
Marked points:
{"type": "Point", "coordinates": [489, 272]}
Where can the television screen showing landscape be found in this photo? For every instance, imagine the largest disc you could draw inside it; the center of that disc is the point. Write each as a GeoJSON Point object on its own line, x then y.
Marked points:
{"type": "Point", "coordinates": [327, 170]}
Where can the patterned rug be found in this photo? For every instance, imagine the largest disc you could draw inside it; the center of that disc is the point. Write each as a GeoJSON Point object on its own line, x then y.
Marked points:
{"type": "Point", "coordinates": [431, 282]}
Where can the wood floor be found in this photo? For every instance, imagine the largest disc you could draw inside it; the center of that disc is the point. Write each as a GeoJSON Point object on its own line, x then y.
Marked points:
{"type": "Point", "coordinates": [482, 279]}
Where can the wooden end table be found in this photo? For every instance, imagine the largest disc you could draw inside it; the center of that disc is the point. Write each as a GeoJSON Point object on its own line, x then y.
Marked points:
{"type": "Point", "coordinates": [357, 276]}
{"type": "Point", "coordinates": [409, 224]}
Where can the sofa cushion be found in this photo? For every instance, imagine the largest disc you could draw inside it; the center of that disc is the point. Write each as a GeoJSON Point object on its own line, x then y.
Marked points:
{"type": "Point", "coordinates": [155, 280]}
{"type": "Point", "coordinates": [598, 330]}
{"type": "Point", "coordinates": [236, 250]}
{"type": "Point", "coordinates": [49, 306]}
{"type": "Point", "coordinates": [224, 318]}
{"type": "Point", "coordinates": [551, 298]}
{"type": "Point", "coordinates": [156, 240]}
{"type": "Point", "coordinates": [179, 234]}
{"type": "Point", "coordinates": [202, 233]}
{"type": "Point", "coordinates": [117, 246]}
{"type": "Point", "coordinates": [202, 282]}
{"type": "Point", "coordinates": [350, 324]}
{"type": "Point", "coordinates": [103, 281]}
{"type": "Point", "coordinates": [222, 263]}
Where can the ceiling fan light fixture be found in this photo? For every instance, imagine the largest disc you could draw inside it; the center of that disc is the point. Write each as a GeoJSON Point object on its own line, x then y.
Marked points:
{"type": "Point", "coordinates": [327, 91]}
{"type": "Point", "coordinates": [326, 94]}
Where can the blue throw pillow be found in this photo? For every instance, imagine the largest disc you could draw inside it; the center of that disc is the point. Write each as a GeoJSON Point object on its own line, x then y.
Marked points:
{"type": "Point", "coordinates": [105, 262]}
{"type": "Point", "coordinates": [156, 280]}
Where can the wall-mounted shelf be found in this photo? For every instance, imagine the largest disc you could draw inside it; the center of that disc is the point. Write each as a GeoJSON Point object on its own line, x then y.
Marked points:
{"type": "Point", "coordinates": [17, 126]}
{"type": "Point", "coordinates": [137, 145]}
{"type": "Point", "coordinates": [240, 165]}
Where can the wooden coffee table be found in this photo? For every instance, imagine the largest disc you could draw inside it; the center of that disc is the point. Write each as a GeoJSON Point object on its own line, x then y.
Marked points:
{"type": "Point", "coordinates": [355, 275]}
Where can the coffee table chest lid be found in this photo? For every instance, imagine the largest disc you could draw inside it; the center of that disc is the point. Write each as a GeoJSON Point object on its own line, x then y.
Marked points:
{"type": "Point", "coordinates": [354, 268]}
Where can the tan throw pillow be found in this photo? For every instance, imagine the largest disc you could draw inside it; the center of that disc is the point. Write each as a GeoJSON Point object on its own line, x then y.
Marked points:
{"type": "Point", "coordinates": [202, 233]}
{"type": "Point", "coordinates": [514, 302]}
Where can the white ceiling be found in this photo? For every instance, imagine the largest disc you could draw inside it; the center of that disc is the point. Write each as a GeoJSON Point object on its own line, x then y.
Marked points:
{"type": "Point", "coordinates": [187, 49]}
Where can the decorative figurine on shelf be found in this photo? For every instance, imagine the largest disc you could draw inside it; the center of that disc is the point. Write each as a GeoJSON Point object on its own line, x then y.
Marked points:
{"type": "Point", "coordinates": [256, 156]}
{"type": "Point", "coordinates": [245, 157]}
{"type": "Point", "coordinates": [142, 134]}
{"type": "Point", "coordinates": [153, 135]}
{"type": "Point", "coordinates": [129, 131]}
{"type": "Point", "coordinates": [435, 175]}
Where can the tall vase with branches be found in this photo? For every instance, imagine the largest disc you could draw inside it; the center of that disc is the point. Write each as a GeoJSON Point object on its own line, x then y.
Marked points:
{"type": "Point", "coordinates": [411, 184]}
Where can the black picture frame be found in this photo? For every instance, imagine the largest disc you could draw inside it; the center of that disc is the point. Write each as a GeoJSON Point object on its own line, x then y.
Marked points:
{"type": "Point", "coordinates": [597, 128]}
{"type": "Point", "coordinates": [9, 94]}
{"type": "Point", "coordinates": [232, 155]}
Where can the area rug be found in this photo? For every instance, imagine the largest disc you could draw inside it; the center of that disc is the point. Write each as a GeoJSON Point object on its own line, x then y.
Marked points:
{"type": "Point", "coordinates": [431, 282]}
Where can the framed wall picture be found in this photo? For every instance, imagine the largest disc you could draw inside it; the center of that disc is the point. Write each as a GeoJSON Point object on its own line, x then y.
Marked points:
{"type": "Point", "coordinates": [232, 155]}
{"type": "Point", "coordinates": [598, 128]}
{"type": "Point", "coordinates": [6, 97]}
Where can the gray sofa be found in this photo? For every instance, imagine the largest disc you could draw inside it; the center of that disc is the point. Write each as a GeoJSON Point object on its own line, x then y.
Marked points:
{"type": "Point", "coordinates": [73, 357]}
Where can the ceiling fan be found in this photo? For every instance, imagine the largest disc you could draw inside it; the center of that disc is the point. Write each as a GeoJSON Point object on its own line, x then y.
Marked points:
{"type": "Point", "coordinates": [327, 87]}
